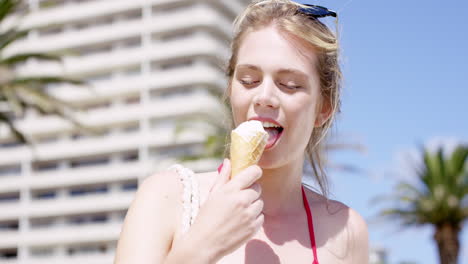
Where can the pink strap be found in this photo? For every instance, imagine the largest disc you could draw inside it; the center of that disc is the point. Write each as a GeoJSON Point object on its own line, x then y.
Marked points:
{"type": "Point", "coordinates": [310, 223]}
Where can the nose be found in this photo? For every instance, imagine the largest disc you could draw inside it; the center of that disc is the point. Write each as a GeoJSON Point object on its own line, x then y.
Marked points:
{"type": "Point", "coordinates": [266, 95]}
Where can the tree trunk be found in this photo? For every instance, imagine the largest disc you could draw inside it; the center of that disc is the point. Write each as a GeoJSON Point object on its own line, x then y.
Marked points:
{"type": "Point", "coordinates": [446, 237]}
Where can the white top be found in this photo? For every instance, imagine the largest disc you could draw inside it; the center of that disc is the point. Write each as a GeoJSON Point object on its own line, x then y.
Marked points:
{"type": "Point", "coordinates": [190, 196]}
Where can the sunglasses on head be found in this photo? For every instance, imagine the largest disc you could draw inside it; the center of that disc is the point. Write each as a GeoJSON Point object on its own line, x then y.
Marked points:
{"type": "Point", "coordinates": [316, 11]}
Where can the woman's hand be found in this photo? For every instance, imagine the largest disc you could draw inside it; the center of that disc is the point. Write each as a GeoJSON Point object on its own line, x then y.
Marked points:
{"type": "Point", "coordinates": [232, 213]}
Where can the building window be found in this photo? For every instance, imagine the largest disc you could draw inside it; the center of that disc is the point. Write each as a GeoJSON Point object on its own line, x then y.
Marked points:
{"type": "Point", "coordinates": [132, 100]}
{"type": "Point", "coordinates": [42, 252]}
{"type": "Point", "coordinates": [96, 106]}
{"type": "Point", "coordinates": [45, 166]}
{"type": "Point", "coordinates": [10, 170]}
{"type": "Point", "coordinates": [129, 16]}
{"type": "Point", "coordinates": [87, 219]}
{"type": "Point", "coordinates": [131, 128]}
{"type": "Point", "coordinates": [41, 195]}
{"type": "Point", "coordinates": [87, 162]}
{"type": "Point", "coordinates": [131, 72]}
{"type": "Point", "coordinates": [99, 78]}
{"type": "Point", "coordinates": [131, 156]}
{"type": "Point", "coordinates": [173, 35]}
{"type": "Point", "coordinates": [130, 186]}
{"type": "Point", "coordinates": [9, 197]}
{"type": "Point", "coordinates": [47, 138]}
{"type": "Point", "coordinates": [49, 31]}
{"type": "Point", "coordinates": [10, 144]}
{"type": "Point", "coordinates": [87, 249]}
{"type": "Point", "coordinates": [80, 191]}
{"type": "Point", "coordinates": [171, 92]}
{"type": "Point", "coordinates": [8, 253]}
{"type": "Point", "coordinates": [170, 7]}
{"type": "Point", "coordinates": [9, 225]}
{"type": "Point", "coordinates": [42, 222]}
{"type": "Point", "coordinates": [174, 64]}
{"type": "Point", "coordinates": [130, 43]}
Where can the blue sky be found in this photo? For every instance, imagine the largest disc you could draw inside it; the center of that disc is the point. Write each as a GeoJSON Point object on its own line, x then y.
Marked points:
{"type": "Point", "coordinates": [406, 83]}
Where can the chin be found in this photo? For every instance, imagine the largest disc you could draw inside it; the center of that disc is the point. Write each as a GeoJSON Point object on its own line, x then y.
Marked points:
{"type": "Point", "coordinates": [270, 161]}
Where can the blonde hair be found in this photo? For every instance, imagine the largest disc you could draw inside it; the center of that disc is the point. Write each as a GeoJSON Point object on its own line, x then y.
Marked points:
{"type": "Point", "coordinates": [285, 16]}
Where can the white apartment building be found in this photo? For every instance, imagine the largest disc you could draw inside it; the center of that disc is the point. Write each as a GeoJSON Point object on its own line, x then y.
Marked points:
{"type": "Point", "coordinates": [150, 63]}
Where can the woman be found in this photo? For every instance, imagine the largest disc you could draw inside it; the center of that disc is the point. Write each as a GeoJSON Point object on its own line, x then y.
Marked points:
{"type": "Point", "coordinates": [283, 70]}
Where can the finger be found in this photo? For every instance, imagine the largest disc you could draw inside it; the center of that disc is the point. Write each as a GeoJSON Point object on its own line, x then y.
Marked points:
{"type": "Point", "coordinates": [252, 193]}
{"type": "Point", "coordinates": [223, 176]}
{"type": "Point", "coordinates": [257, 188]}
{"type": "Point", "coordinates": [247, 177]}
{"type": "Point", "coordinates": [258, 223]}
{"type": "Point", "coordinates": [257, 207]}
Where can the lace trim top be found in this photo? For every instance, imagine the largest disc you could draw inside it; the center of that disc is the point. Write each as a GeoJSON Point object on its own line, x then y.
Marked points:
{"type": "Point", "coordinates": [190, 197]}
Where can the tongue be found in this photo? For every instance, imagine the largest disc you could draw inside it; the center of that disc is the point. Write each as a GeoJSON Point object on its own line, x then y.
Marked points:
{"type": "Point", "coordinates": [272, 134]}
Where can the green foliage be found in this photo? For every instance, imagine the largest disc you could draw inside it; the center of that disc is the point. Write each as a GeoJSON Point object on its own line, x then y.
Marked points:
{"type": "Point", "coordinates": [439, 197]}
{"type": "Point", "coordinates": [18, 94]}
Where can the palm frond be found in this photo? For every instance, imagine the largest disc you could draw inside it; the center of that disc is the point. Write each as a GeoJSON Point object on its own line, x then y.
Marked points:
{"type": "Point", "coordinates": [45, 80]}
{"type": "Point", "coordinates": [16, 133]}
{"type": "Point", "coordinates": [7, 7]}
{"type": "Point", "coordinates": [12, 99]}
{"type": "Point", "coordinates": [438, 196]}
{"type": "Point", "coordinates": [11, 36]}
{"type": "Point", "coordinates": [20, 58]}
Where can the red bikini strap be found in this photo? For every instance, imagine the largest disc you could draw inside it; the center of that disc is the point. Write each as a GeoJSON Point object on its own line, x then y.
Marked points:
{"type": "Point", "coordinates": [311, 226]}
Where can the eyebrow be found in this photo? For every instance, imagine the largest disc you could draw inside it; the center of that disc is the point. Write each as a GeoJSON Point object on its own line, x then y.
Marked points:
{"type": "Point", "coordinates": [284, 70]}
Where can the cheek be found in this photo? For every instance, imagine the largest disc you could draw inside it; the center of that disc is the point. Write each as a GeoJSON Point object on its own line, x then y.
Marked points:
{"type": "Point", "coordinates": [239, 103]}
{"type": "Point", "coordinates": [303, 117]}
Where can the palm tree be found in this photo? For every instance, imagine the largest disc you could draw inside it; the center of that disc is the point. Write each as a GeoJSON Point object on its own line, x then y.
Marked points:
{"type": "Point", "coordinates": [439, 198]}
{"type": "Point", "coordinates": [19, 93]}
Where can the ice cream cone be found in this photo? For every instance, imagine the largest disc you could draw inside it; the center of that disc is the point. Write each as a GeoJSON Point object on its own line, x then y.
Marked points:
{"type": "Point", "coordinates": [246, 151]}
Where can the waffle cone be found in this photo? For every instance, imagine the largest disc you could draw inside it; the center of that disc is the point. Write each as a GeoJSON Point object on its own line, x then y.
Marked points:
{"type": "Point", "coordinates": [246, 153]}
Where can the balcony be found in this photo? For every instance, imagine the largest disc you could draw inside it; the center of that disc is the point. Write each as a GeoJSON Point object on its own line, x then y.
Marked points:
{"type": "Point", "coordinates": [10, 211]}
{"type": "Point", "coordinates": [91, 259]}
{"type": "Point", "coordinates": [200, 73]}
{"type": "Point", "coordinates": [66, 235]}
{"type": "Point", "coordinates": [193, 46]}
{"type": "Point", "coordinates": [11, 184]}
{"type": "Point", "coordinates": [188, 18]}
{"type": "Point", "coordinates": [10, 239]}
{"type": "Point", "coordinates": [83, 176]}
{"type": "Point", "coordinates": [199, 104]}
{"type": "Point", "coordinates": [84, 11]}
{"type": "Point", "coordinates": [80, 205]}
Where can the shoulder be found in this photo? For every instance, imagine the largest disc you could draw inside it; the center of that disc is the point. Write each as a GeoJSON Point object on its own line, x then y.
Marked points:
{"type": "Point", "coordinates": [160, 192]}
{"type": "Point", "coordinates": [159, 184]}
{"type": "Point", "coordinates": [158, 195]}
{"type": "Point", "coordinates": [340, 229]}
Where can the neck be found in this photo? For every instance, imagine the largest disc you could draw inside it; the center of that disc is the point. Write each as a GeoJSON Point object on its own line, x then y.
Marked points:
{"type": "Point", "coordinates": [281, 190]}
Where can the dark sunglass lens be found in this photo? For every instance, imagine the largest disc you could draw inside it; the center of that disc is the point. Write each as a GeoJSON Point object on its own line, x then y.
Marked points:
{"type": "Point", "coordinates": [317, 11]}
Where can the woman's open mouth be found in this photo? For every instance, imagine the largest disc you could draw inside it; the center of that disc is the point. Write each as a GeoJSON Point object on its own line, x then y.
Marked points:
{"type": "Point", "coordinates": [274, 133]}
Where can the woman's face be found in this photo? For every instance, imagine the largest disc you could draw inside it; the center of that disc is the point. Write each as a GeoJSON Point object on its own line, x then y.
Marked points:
{"type": "Point", "coordinates": [276, 78]}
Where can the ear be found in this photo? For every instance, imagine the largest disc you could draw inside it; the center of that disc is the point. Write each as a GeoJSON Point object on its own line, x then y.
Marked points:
{"type": "Point", "coordinates": [324, 113]}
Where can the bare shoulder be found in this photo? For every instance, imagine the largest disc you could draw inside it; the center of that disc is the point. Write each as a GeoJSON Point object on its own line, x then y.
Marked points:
{"type": "Point", "coordinates": [149, 225]}
{"type": "Point", "coordinates": [165, 183]}
{"type": "Point", "coordinates": [340, 229]}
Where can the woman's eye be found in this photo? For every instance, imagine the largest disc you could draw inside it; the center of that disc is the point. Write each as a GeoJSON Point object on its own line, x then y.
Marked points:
{"type": "Point", "coordinates": [291, 86]}
{"type": "Point", "coordinates": [248, 81]}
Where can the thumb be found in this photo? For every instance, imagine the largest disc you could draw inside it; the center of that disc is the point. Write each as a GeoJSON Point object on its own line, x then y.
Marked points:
{"type": "Point", "coordinates": [223, 176]}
